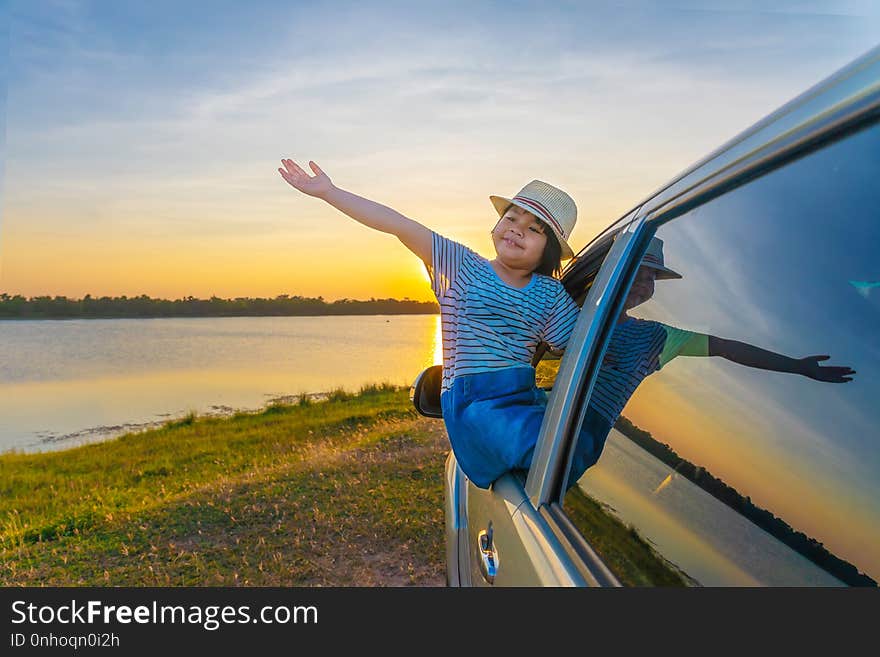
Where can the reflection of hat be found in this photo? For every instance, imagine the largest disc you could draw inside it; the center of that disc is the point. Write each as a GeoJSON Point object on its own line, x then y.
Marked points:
{"type": "Point", "coordinates": [653, 258]}
{"type": "Point", "coordinates": [549, 204]}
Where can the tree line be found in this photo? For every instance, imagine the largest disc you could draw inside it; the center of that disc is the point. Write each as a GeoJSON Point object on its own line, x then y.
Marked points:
{"type": "Point", "coordinates": [89, 307]}
{"type": "Point", "coordinates": [776, 527]}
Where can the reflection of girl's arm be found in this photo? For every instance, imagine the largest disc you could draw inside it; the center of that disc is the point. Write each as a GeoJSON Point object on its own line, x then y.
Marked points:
{"type": "Point", "coordinates": [752, 356]}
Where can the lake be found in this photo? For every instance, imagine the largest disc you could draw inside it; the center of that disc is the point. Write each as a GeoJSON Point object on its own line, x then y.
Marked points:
{"type": "Point", "coordinates": [64, 383]}
{"type": "Point", "coordinates": [712, 543]}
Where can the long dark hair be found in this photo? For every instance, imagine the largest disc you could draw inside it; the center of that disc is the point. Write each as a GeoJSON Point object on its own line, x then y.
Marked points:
{"type": "Point", "coordinates": [551, 259]}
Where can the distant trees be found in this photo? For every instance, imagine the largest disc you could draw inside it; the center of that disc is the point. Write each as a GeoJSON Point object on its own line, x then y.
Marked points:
{"type": "Point", "coordinates": [61, 307]}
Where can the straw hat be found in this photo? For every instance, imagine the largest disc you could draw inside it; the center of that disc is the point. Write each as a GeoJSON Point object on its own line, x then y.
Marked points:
{"type": "Point", "coordinates": [653, 258]}
{"type": "Point", "coordinates": [549, 204]}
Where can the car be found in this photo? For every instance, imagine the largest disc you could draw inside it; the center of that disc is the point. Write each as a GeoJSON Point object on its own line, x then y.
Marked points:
{"type": "Point", "coordinates": [715, 473]}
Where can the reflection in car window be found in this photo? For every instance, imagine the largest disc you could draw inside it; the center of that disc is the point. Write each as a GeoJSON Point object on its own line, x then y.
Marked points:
{"type": "Point", "coordinates": [578, 278]}
{"type": "Point", "coordinates": [759, 462]}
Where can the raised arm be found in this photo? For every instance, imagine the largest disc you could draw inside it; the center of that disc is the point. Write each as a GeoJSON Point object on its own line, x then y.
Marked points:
{"type": "Point", "coordinates": [752, 356]}
{"type": "Point", "coordinates": [415, 236]}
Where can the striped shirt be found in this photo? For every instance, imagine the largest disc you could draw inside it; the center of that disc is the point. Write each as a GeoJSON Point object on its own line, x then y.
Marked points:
{"type": "Point", "coordinates": [638, 348]}
{"type": "Point", "coordinates": [487, 324]}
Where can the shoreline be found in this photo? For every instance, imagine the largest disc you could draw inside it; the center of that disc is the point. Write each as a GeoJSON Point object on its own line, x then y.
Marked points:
{"type": "Point", "coordinates": [49, 442]}
{"type": "Point", "coordinates": [70, 319]}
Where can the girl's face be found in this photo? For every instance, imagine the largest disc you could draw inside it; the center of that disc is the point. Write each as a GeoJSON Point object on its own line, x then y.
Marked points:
{"type": "Point", "coordinates": [519, 239]}
{"type": "Point", "coordinates": [642, 288]}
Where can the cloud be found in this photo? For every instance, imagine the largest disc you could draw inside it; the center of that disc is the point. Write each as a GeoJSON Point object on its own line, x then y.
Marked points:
{"type": "Point", "coordinates": [111, 107]}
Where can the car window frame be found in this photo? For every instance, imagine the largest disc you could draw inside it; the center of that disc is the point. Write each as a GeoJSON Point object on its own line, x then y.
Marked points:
{"type": "Point", "coordinates": [577, 370]}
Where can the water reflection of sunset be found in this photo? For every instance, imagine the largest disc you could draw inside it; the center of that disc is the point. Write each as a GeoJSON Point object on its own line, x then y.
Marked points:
{"type": "Point", "coordinates": [741, 449]}
{"type": "Point", "coordinates": [58, 378]}
{"type": "Point", "coordinates": [704, 561]}
{"type": "Point", "coordinates": [712, 543]}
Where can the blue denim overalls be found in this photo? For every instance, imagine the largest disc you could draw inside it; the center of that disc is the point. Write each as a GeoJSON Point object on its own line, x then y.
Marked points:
{"type": "Point", "coordinates": [493, 420]}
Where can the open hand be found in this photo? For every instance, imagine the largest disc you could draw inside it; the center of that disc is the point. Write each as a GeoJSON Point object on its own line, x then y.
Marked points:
{"type": "Point", "coordinates": [830, 374]}
{"type": "Point", "coordinates": [317, 185]}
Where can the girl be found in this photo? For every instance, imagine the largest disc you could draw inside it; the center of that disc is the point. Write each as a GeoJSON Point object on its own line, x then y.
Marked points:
{"type": "Point", "coordinates": [494, 314]}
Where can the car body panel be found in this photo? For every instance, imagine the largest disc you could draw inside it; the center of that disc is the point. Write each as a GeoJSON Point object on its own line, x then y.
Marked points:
{"type": "Point", "coordinates": [454, 492]}
{"type": "Point", "coordinates": [528, 552]}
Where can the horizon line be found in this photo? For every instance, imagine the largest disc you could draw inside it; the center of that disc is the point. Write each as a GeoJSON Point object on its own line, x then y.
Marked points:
{"type": "Point", "coordinates": [8, 295]}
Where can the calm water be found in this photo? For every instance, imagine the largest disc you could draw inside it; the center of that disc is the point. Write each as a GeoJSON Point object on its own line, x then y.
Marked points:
{"type": "Point", "coordinates": [64, 383]}
{"type": "Point", "coordinates": [703, 537]}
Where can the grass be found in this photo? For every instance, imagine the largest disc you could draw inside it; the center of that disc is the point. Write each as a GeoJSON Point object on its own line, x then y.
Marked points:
{"type": "Point", "coordinates": [546, 371]}
{"type": "Point", "coordinates": [345, 492]}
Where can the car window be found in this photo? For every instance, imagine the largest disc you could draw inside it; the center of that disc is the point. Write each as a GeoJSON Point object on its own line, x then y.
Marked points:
{"type": "Point", "coordinates": [749, 451]}
{"type": "Point", "coordinates": [577, 278]}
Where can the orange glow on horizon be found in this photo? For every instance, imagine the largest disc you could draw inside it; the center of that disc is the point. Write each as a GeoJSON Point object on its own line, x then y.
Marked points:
{"type": "Point", "coordinates": [305, 248]}
{"type": "Point", "coordinates": [257, 268]}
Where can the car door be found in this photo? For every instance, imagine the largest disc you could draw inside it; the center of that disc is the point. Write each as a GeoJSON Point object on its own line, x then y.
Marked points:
{"type": "Point", "coordinates": [741, 470]}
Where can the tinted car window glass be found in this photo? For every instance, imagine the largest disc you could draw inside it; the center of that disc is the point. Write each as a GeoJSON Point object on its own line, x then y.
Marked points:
{"type": "Point", "coordinates": [748, 458]}
{"type": "Point", "coordinates": [578, 278]}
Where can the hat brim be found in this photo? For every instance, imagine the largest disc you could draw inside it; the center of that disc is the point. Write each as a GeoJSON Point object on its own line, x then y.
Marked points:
{"type": "Point", "coordinates": [501, 204]}
{"type": "Point", "coordinates": [663, 273]}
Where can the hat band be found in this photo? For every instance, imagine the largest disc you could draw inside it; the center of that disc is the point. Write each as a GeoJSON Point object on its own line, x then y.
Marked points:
{"type": "Point", "coordinates": [542, 212]}
{"type": "Point", "coordinates": [652, 259]}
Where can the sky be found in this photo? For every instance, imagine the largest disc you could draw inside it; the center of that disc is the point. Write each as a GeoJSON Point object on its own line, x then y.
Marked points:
{"type": "Point", "coordinates": [142, 139]}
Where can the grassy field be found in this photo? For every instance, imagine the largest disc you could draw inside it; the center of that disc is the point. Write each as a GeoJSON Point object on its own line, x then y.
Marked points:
{"type": "Point", "coordinates": [343, 492]}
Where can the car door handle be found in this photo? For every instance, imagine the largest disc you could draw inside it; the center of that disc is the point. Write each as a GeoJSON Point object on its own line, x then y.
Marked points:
{"type": "Point", "coordinates": [488, 555]}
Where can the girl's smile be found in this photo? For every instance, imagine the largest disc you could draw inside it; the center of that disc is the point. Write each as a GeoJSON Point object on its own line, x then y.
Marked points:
{"type": "Point", "coordinates": [511, 242]}
{"type": "Point", "coordinates": [519, 239]}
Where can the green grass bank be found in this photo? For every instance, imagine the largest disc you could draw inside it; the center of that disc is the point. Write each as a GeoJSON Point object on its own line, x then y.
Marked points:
{"type": "Point", "coordinates": [343, 492]}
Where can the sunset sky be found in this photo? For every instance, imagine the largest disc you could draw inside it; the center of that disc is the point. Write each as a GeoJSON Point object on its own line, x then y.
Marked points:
{"type": "Point", "coordinates": [142, 142]}
{"type": "Point", "coordinates": [142, 139]}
